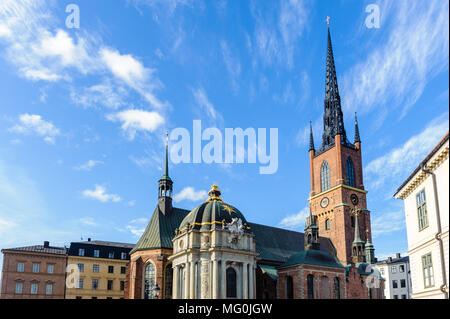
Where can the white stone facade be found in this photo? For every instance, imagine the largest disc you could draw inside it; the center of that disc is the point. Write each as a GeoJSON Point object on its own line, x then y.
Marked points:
{"type": "Point", "coordinates": [398, 271]}
{"type": "Point", "coordinates": [431, 240]}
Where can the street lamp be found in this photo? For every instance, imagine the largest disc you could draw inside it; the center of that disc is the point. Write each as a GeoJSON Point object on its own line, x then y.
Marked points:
{"type": "Point", "coordinates": [155, 291]}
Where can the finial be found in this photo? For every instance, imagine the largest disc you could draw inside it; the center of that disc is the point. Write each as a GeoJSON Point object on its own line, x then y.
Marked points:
{"type": "Point", "coordinates": [328, 21]}
{"type": "Point", "coordinates": [167, 138]}
{"type": "Point", "coordinates": [214, 193]}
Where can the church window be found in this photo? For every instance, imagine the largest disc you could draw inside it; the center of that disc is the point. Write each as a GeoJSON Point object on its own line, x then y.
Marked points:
{"type": "Point", "coordinates": [327, 224]}
{"type": "Point", "coordinates": [289, 287]}
{"type": "Point", "coordinates": [324, 288]}
{"type": "Point", "coordinates": [422, 210]}
{"type": "Point", "coordinates": [352, 221]}
{"type": "Point", "coordinates": [231, 283]}
{"type": "Point", "coordinates": [168, 282]}
{"type": "Point", "coordinates": [337, 288]}
{"type": "Point", "coordinates": [350, 173]}
{"type": "Point", "coordinates": [149, 281]}
{"type": "Point", "coordinates": [310, 286]}
{"type": "Point", "coordinates": [325, 176]}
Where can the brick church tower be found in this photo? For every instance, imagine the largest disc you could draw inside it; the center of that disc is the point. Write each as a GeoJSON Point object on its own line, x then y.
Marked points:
{"type": "Point", "coordinates": [337, 190]}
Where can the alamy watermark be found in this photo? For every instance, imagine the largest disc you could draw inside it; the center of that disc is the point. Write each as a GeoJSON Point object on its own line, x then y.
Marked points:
{"type": "Point", "coordinates": [73, 19]}
{"type": "Point", "coordinates": [227, 148]}
{"type": "Point", "coordinates": [373, 19]}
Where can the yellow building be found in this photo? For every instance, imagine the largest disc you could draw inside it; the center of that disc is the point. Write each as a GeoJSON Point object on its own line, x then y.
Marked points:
{"type": "Point", "coordinates": [96, 270]}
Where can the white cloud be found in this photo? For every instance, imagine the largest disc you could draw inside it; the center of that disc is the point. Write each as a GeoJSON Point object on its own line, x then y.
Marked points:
{"type": "Point", "coordinates": [131, 203]}
{"type": "Point", "coordinates": [137, 226]}
{"type": "Point", "coordinates": [34, 124]}
{"type": "Point", "coordinates": [88, 165]}
{"type": "Point", "coordinates": [189, 193]}
{"type": "Point", "coordinates": [99, 193]}
{"type": "Point", "coordinates": [295, 220]}
{"type": "Point", "coordinates": [207, 107]}
{"type": "Point", "coordinates": [395, 74]}
{"type": "Point", "coordinates": [137, 120]}
{"type": "Point", "coordinates": [388, 223]}
{"type": "Point", "coordinates": [105, 94]}
{"type": "Point", "coordinates": [401, 161]}
{"type": "Point", "coordinates": [88, 221]}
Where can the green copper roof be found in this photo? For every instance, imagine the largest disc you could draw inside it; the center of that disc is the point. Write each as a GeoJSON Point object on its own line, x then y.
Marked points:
{"type": "Point", "coordinates": [160, 230]}
{"type": "Point", "coordinates": [269, 270]}
{"type": "Point", "coordinates": [313, 257]}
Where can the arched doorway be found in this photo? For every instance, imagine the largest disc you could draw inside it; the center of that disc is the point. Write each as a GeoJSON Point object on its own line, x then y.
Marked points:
{"type": "Point", "coordinates": [231, 283]}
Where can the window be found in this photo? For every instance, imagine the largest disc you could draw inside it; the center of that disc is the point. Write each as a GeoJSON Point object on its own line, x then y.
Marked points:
{"type": "Point", "coordinates": [231, 283]}
{"type": "Point", "coordinates": [48, 289]}
{"type": "Point", "coordinates": [123, 255]}
{"type": "Point", "coordinates": [78, 297]}
{"type": "Point", "coordinates": [310, 284]}
{"type": "Point", "coordinates": [96, 253]}
{"type": "Point", "coordinates": [110, 284]}
{"type": "Point", "coordinates": [80, 283]}
{"type": "Point", "coordinates": [81, 252]}
{"type": "Point", "coordinates": [50, 269]}
{"type": "Point", "coordinates": [93, 297]}
{"type": "Point", "coordinates": [350, 173]}
{"type": "Point", "coordinates": [352, 221]}
{"type": "Point", "coordinates": [34, 288]}
{"type": "Point", "coordinates": [110, 269]}
{"type": "Point", "coordinates": [168, 282]}
{"type": "Point", "coordinates": [403, 296]}
{"type": "Point", "coordinates": [422, 210]}
{"type": "Point", "coordinates": [19, 287]}
{"type": "Point", "coordinates": [402, 268]}
{"type": "Point", "coordinates": [394, 284]}
{"type": "Point", "coordinates": [35, 267]}
{"type": "Point", "coordinates": [325, 176]}
{"type": "Point", "coordinates": [81, 267]}
{"type": "Point", "coordinates": [149, 281]}
{"type": "Point", "coordinates": [289, 287]}
{"type": "Point", "coordinates": [327, 224]}
{"type": "Point", "coordinates": [20, 267]}
{"type": "Point", "coordinates": [337, 288]}
{"type": "Point", "coordinates": [123, 270]}
{"type": "Point", "coordinates": [428, 276]}
{"type": "Point", "coordinates": [95, 268]}
{"type": "Point", "coordinates": [122, 285]}
{"type": "Point", "coordinates": [394, 269]}
{"type": "Point", "coordinates": [402, 283]}
{"type": "Point", "coordinates": [324, 288]}
{"type": "Point", "coordinates": [111, 254]}
{"type": "Point", "coordinates": [382, 271]}
{"type": "Point", "coordinates": [395, 296]}
{"type": "Point", "coordinates": [109, 298]}
{"type": "Point", "coordinates": [95, 284]}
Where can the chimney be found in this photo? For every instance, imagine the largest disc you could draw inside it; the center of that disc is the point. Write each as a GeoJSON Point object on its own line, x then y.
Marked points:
{"type": "Point", "coordinates": [89, 239]}
{"type": "Point", "coordinates": [46, 244]}
{"type": "Point", "coordinates": [389, 260]}
{"type": "Point", "coordinates": [397, 255]}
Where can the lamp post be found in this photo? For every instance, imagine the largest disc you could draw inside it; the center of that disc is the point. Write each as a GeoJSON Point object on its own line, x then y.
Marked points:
{"type": "Point", "coordinates": [155, 291]}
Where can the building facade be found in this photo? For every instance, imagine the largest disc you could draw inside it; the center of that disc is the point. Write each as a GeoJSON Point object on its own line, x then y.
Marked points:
{"type": "Point", "coordinates": [425, 198]}
{"type": "Point", "coordinates": [34, 272]}
{"type": "Point", "coordinates": [97, 270]}
{"type": "Point", "coordinates": [397, 277]}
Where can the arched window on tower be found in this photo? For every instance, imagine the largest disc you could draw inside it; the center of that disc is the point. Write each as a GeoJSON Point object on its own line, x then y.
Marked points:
{"type": "Point", "coordinates": [231, 283]}
{"type": "Point", "coordinates": [327, 224]}
{"type": "Point", "coordinates": [310, 286]}
{"type": "Point", "coordinates": [350, 173]}
{"type": "Point", "coordinates": [289, 287]}
{"type": "Point", "coordinates": [325, 176]}
{"type": "Point", "coordinates": [149, 281]}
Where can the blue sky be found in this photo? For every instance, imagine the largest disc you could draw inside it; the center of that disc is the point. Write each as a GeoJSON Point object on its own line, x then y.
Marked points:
{"type": "Point", "coordinates": [83, 111]}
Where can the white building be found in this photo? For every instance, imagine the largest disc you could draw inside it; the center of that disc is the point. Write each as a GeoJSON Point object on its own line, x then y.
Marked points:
{"type": "Point", "coordinates": [425, 196]}
{"type": "Point", "coordinates": [397, 276]}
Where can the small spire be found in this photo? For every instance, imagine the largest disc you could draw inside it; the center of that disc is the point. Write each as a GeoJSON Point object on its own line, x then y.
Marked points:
{"type": "Point", "coordinates": [357, 138]}
{"type": "Point", "coordinates": [357, 234]}
{"type": "Point", "coordinates": [311, 138]}
{"type": "Point", "coordinates": [166, 166]}
{"type": "Point", "coordinates": [328, 21]}
{"type": "Point", "coordinates": [214, 193]}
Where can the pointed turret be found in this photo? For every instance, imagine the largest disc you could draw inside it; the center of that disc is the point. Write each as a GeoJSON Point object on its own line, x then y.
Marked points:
{"type": "Point", "coordinates": [311, 234]}
{"type": "Point", "coordinates": [357, 138]}
{"type": "Point", "coordinates": [165, 184]}
{"type": "Point", "coordinates": [311, 138]}
{"type": "Point", "coordinates": [358, 253]}
{"type": "Point", "coordinates": [370, 250]}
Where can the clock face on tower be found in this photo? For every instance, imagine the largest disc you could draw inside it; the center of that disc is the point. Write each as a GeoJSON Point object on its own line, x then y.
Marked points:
{"type": "Point", "coordinates": [354, 199]}
{"type": "Point", "coordinates": [324, 202]}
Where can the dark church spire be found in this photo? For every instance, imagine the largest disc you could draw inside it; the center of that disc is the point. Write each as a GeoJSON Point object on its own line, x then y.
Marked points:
{"type": "Point", "coordinates": [311, 236]}
{"type": "Point", "coordinates": [165, 184]}
{"type": "Point", "coordinates": [311, 138]}
{"type": "Point", "coordinates": [333, 122]}
{"type": "Point", "coordinates": [357, 138]}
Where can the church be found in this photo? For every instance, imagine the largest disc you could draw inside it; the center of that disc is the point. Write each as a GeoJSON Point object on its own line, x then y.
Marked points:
{"type": "Point", "coordinates": [213, 252]}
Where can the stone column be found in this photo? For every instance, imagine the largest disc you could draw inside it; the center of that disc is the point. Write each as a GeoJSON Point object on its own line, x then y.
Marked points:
{"type": "Point", "coordinates": [186, 281]}
{"type": "Point", "coordinates": [252, 282]}
{"type": "Point", "coordinates": [192, 281]}
{"type": "Point", "coordinates": [215, 280]}
{"type": "Point", "coordinates": [245, 281]}
{"type": "Point", "coordinates": [223, 279]}
{"type": "Point", "coordinates": [176, 278]}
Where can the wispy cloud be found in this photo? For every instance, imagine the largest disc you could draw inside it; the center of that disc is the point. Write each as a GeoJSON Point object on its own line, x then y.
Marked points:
{"type": "Point", "coordinates": [104, 94]}
{"type": "Point", "coordinates": [34, 124]}
{"type": "Point", "coordinates": [88, 221]}
{"type": "Point", "coordinates": [100, 194]}
{"type": "Point", "coordinates": [394, 75]}
{"type": "Point", "coordinates": [88, 165]}
{"type": "Point", "coordinates": [137, 226]}
{"type": "Point", "coordinates": [295, 221]}
{"type": "Point", "coordinates": [401, 161]}
{"type": "Point", "coordinates": [388, 222]}
{"type": "Point", "coordinates": [232, 63]}
{"type": "Point", "coordinates": [207, 107]}
{"type": "Point", "coordinates": [189, 193]}
{"type": "Point", "coordinates": [137, 120]}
